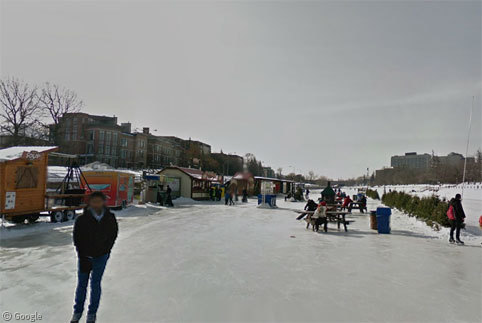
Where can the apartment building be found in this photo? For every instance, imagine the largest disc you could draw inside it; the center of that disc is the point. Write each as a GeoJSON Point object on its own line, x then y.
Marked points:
{"type": "Point", "coordinates": [101, 138]}
{"type": "Point", "coordinates": [412, 160]}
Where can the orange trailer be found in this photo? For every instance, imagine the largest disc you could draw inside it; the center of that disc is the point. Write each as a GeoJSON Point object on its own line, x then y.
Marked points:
{"type": "Point", "coordinates": [117, 185]}
{"type": "Point", "coordinates": [23, 178]}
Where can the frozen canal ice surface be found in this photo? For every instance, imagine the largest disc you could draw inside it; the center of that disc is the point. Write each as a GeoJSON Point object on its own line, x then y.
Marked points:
{"type": "Point", "coordinates": [208, 262]}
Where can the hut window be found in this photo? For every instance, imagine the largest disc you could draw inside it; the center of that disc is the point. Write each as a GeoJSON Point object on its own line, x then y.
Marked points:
{"type": "Point", "coordinates": [26, 177]}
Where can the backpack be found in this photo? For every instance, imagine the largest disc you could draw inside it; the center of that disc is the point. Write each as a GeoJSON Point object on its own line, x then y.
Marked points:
{"type": "Point", "coordinates": [451, 213]}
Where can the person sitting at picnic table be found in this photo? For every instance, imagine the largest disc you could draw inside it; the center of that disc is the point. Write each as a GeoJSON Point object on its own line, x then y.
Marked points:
{"type": "Point", "coordinates": [310, 206]}
{"type": "Point", "coordinates": [346, 203]}
{"type": "Point", "coordinates": [319, 216]}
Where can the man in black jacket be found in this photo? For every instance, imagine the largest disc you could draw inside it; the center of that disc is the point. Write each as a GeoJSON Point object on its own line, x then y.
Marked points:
{"type": "Point", "coordinates": [95, 232]}
{"type": "Point", "coordinates": [310, 206]}
{"type": "Point", "coordinates": [456, 224]}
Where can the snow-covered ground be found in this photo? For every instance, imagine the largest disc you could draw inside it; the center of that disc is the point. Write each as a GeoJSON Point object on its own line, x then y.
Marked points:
{"type": "Point", "coordinates": [472, 198]}
{"type": "Point", "coordinates": [207, 262]}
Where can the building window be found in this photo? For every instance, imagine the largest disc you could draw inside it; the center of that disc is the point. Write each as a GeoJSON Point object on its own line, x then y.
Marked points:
{"type": "Point", "coordinates": [100, 149]}
{"type": "Point", "coordinates": [74, 133]}
{"type": "Point", "coordinates": [113, 151]}
{"type": "Point", "coordinates": [90, 148]}
{"type": "Point", "coordinates": [101, 135]}
{"type": "Point", "coordinates": [114, 138]}
{"type": "Point", "coordinates": [91, 134]}
{"type": "Point", "coordinates": [108, 136]}
{"type": "Point", "coordinates": [67, 136]}
{"type": "Point", "coordinates": [123, 153]}
{"type": "Point", "coordinates": [26, 177]}
{"type": "Point", "coordinates": [123, 142]}
{"type": "Point", "coordinates": [107, 150]}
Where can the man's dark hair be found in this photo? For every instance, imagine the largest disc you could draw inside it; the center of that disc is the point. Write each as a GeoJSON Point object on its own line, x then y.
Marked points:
{"type": "Point", "coordinates": [458, 196]}
{"type": "Point", "coordinates": [97, 194]}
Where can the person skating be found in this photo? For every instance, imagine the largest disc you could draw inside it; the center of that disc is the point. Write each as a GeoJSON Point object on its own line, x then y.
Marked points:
{"type": "Point", "coordinates": [95, 232]}
{"type": "Point", "coordinates": [456, 216]}
{"type": "Point", "coordinates": [226, 197]}
{"type": "Point", "coordinates": [245, 195]}
{"type": "Point", "coordinates": [168, 196]}
{"type": "Point", "coordinates": [212, 193]}
{"type": "Point", "coordinates": [363, 203]}
{"type": "Point", "coordinates": [231, 194]}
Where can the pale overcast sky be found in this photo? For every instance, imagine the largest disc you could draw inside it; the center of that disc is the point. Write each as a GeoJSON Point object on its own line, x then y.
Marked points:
{"type": "Point", "coordinates": [325, 86]}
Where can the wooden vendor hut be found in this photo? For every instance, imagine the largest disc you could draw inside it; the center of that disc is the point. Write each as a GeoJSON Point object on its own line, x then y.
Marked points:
{"type": "Point", "coordinates": [188, 182]}
{"type": "Point", "coordinates": [243, 181]}
{"type": "Point", "coordinates": [23, 178]}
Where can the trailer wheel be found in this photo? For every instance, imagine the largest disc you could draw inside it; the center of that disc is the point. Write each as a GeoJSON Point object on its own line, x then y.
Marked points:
{"type": "Point", "coordinates": [69, 215]}
{"type": "Point", "coordinates": [17, 219]}
{"type": "Point", "coordinates": [32, 218]}
{"type": "Point", "coordinates": [57, 216]}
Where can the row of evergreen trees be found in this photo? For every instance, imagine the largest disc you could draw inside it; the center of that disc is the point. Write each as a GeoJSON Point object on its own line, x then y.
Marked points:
{"type": "Point", "coordinates": [429, 209]}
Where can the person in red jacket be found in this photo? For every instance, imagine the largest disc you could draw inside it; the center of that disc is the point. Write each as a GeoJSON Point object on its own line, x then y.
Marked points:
{"type": "Point", "coordinates": [346, 202]}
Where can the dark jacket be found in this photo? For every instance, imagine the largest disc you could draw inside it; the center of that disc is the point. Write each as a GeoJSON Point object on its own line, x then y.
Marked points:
{"type": "Point", "coordinates": [311, 205]}
{"type": "Point", "coordinates": [94, 238]}
{"type": "Point", "coordinates": [458, 210]}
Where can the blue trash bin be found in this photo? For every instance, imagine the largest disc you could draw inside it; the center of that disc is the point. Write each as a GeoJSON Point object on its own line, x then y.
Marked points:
{"type": "Point", "coordinates": [269, 199]}
{"type": "Point", "coordinates": [383, 219]}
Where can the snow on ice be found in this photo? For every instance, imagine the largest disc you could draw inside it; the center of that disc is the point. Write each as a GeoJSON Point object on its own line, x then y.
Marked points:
{"type": "Point", "coordinates": [206, 262]}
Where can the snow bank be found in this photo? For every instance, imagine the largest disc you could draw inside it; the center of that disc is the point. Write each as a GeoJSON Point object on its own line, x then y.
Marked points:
{"type": "Point", "coordinates": [472, 199]}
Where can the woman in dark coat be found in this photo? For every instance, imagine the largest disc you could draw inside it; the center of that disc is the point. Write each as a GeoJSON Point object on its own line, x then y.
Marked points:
{"type": "Point", "coordinates": [457, 223]}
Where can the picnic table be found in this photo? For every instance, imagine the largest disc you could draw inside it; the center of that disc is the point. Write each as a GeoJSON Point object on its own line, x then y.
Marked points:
{"type": "Point", "coordinates": [338, 217]}
{"type": "Point", "coordinates": [357, 205]}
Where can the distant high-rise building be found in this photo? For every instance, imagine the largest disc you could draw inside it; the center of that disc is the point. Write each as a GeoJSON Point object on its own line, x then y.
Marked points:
{"type": "Point", "coordinates": [412, 160]}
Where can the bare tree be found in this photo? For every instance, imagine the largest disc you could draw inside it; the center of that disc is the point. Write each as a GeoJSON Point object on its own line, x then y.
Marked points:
{"type": "Point", "coordinates": [280, 172]}
{"type": "Point", "coordinates": [19, 108]}
{"type": "Point", "coordinates": [56, 101]}
{"type": "Point", "coordinates": [311, 176]}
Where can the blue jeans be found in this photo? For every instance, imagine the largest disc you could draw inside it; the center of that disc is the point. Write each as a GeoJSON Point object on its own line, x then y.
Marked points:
{"type": "Point", "coordinates": [98, 266]}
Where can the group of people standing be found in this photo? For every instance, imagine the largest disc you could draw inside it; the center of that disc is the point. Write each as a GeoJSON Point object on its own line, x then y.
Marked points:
{"type": "Point", "coordinates": [215, 193]}
{"type": "Point", "coordinates": [230, 194]}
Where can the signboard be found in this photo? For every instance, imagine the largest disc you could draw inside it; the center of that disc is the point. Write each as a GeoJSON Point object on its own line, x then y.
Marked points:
{"type": "Point", "coordinates": [267, 188]}
{"type": "Point", "coordinates": [31, 155]}
{"type": "Point", "coordinates": [9, 200]}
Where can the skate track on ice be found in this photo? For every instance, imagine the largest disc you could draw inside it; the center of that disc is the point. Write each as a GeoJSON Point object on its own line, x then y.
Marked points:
{"type": "Point", "coordinates": [212, 263]}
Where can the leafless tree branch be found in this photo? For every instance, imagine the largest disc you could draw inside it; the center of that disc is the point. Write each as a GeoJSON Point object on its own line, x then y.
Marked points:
{"type": "Point", "coordinates": [19, 107]}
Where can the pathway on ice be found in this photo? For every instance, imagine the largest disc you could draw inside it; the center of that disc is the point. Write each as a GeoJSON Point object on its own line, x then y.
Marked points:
{"type": "Point", "coordinates": [215, 263]}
